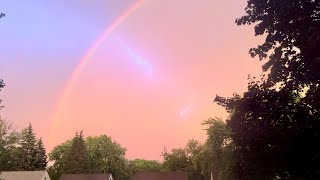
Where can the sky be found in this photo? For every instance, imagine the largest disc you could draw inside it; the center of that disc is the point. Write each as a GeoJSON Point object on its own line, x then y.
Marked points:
{"type": "Point", "coordinates": [144, 72]}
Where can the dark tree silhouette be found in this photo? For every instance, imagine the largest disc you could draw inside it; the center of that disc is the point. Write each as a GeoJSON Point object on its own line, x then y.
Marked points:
{"type": "Point", "coordinates": [275, 124]}
{"type": "Point", "coordinates": [1, 86]}
{"type": "Point", "coordinates": [292, 43]}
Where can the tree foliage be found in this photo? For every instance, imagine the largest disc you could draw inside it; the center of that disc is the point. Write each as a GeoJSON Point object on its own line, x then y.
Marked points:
{"type": "Point", "coordinates": [141, 165]}
{"type": "Point", "coordinates": [176, 160]}
{"type": "Point", "coordinates": [216, 156]}
{"type": "Point", "coordinates": [1, 86]}
{"type": "Point", "coordinates": [58, 157]}
{"type": "Point", "coordinates": [292, 39]}
{"type": "Point", "coordinates": [107, 156]}
{"type": "Point", "coordinates": [28, 149]}
{"type": "Point", "coordinates": [20, 150]}
{"type": "Point", "coordinates": [275, 134]}
{"type": "Point", "coordinates": [183, 159]}
{"type": "Point", "coordinates": [77, 158]}
{"type": "Point", "coordinates": [103, 156]}
{"type": "Point", "coordinates": [41, 156]}
{"type": "Point", "coordinates": [275, 124]}
{"type": "Point", "coordinates": [8, 140]}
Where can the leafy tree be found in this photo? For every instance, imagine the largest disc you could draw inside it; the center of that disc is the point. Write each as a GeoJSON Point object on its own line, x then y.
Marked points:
{"type": "Point", "coordinates": [104, 155]}
{"type": "Point", "coordinates": [292, 39]}
{"type": "Point", "coordinates": [216, 156]}
{"type": "Point", "coordinates": [41, 163]}
{"type": "Point", "coordinates": [183, 159]}
{"type": "Point", "coordinates": [77, 159]}
{"type": "Point", "coordinates": [203, 161]}
{"type": "Point", "coordinates": [193, 149]}
{"type": "Point", "coordinates": [107, 156]}
{"type": "Point", "coordinates": [141, 165]}
{"type": "Point", "coordinates": [274, 134]}
{"type": "Point", "coordinates": [28, 149]}
{"type": "Point", "coordinates": [176, 160]}
{"type": "Point", "coordinates": [8, 140]}
{"type": "Point", "coordinates": [275, 124]}
{"type": "Point", "coordinates": [58, 157]}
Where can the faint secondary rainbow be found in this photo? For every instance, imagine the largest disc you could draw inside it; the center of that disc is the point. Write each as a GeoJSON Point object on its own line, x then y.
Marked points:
{"type": "Point", "coordinates": [139, 60]}
{"type": "Point", "coordinates": [85, 59]}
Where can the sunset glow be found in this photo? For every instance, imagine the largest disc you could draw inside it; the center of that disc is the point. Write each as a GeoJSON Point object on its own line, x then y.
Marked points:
{"type": "Point", "coordinates": [144, 72]}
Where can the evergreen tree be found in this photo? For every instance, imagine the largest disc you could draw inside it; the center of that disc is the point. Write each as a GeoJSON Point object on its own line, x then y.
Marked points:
{"type": "Point", "coordinates": [41, 163]}
{"type": "Point", "coordinates": [28, 149]}
{"type": "Point", "coordinates": [77, 160]}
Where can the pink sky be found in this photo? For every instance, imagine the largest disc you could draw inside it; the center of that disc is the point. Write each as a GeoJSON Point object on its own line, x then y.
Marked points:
{"type": "Point", "coordinates": [149, 85]}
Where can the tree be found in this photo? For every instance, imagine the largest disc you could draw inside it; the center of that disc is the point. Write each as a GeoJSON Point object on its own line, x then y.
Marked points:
{"type": "Point", "coordinates": [275, 134]}
{"type": "Point", "coordinates": [275, 124]}
{"type": "Point", "coordinates": [203, 161]}
{"type": "Point", "coordinates": [1, 86]}
{"type": "Point", "coordinates": [104, 156]}
{"type": "Point", "coordinates": [8, 140]}
{"type": "Point", "coordinates": [217, 154]}
{"type": "Point", "coordinates": [41, 162]}
{"type": "Point", "coordinates": [183, 159]}
{"type": "Point", "coordinates": [141, 165]}
{"type": "Point", "coordinates": [292, 39]}
{"type": "Point", "coordinates": [176, 160]}
{"type": "Point", "coordinates": [107, 156]}
{"type": "Point", "coordinates": [193, 149]}
{"type": "Point", "coordinates": [58, 157]}
{"type": "Point", "coordinates": [28, 149]}
{"type": "Point", "coordinates": [77, 159]}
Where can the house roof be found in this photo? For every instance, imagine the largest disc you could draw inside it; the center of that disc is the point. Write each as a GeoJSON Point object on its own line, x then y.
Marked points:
{"type": "Point", "coordinates": [22, 175]}
{"type": "Point", "coordinates": [85, 176]}
{"type": "Point", "coordinates": [161, 176]}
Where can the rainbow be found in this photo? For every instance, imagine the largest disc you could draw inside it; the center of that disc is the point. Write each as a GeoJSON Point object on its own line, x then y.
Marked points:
{"type": "Point", "coordinates": [86, 58]}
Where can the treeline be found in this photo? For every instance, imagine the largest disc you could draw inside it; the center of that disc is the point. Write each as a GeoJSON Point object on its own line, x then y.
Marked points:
{"type": "Point", "coordinates": [200, 160]}
{"type": "Point", "coordinates": [20, 151]}
{"type": "Point", "coordinates": [97, 154]}
{"type": "Point", "coordinates": [100, 154]}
